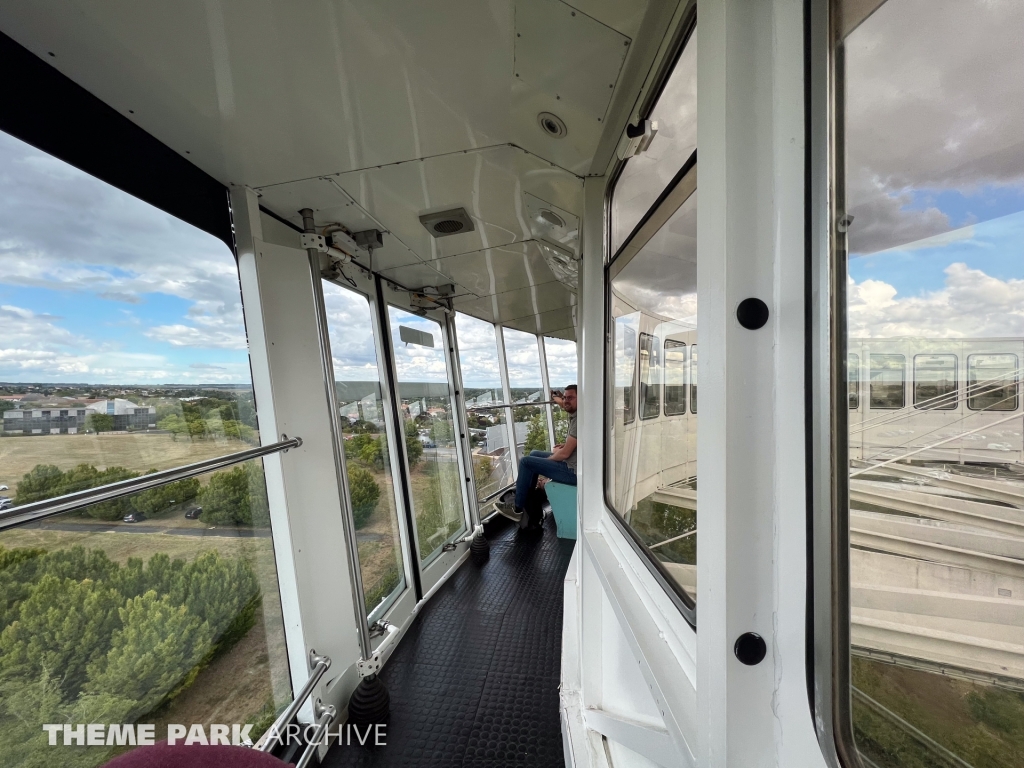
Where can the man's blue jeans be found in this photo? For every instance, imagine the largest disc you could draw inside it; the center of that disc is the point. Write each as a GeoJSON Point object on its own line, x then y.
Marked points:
{"type": "Point", "coordinates": [538, 463]}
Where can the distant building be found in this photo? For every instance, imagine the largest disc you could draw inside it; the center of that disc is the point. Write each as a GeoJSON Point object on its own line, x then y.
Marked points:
{"type": "Point", "coordinates": [69, 420]}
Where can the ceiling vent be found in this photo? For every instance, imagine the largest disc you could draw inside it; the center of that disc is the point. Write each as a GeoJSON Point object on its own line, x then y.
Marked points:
{"type": "Point", "coordinates": [444, 223]}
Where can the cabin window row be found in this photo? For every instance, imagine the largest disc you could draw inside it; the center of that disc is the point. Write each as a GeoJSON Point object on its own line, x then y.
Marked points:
{"type": "Point", "coordinates": [666, 373]}
{"type": "Point", "coordinates": [991, 385]}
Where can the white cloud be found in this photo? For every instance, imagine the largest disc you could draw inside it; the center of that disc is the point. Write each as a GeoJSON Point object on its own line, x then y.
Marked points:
{"type": "Point", "coordinates": [971, 304]}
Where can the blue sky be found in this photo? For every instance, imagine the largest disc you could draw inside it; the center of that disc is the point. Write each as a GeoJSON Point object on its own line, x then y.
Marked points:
{"type": "Point", "coordinates": [101, 288]}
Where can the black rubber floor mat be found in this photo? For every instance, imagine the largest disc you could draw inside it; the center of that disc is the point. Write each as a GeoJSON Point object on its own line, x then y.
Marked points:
{"type": "Point", "coordinates": [474, 682]}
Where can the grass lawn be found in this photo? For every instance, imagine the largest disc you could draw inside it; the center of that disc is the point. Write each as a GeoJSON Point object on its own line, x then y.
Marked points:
{"type": "Point", "coordinates": [136, 451]}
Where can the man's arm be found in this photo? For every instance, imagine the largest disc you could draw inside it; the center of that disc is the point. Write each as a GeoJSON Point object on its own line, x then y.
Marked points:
{"type": "Point", "coordinates": [564, 451]}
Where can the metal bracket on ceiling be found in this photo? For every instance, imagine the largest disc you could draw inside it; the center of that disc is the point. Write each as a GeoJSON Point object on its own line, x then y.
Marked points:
{"type": "Point", "coordinates": [637, 139]}
{"type": "Point", "coordinates": [433, 297]}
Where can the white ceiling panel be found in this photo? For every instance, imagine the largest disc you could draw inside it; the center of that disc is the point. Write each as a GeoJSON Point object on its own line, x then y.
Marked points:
{"type": "Point", "coordinates": [498, 269]}
{"type": "Point", "coordinates": [489, 184]}
{"type": "Point", "coordinates": [524, 302]}
{"type": "Point", "coordinates": [421, 275]}
{"type": "Point", "coordinates": [557, 323]}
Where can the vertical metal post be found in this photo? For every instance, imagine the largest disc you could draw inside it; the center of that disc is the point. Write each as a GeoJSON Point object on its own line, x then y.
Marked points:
{"type": "Point", "coordinates": [546, 384]}
{"type": "Point", "coordinates": [339, 454]}
{"type": "Point", "coordinates": [462, 424]}
{"type": "Point", "coordinates": [506, 396]}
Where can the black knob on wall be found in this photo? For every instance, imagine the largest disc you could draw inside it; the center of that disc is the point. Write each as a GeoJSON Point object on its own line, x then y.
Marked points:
{"type": "Point", "coordinates": [750, 648]}
{"type": "Point", "coordinates": [752, 314]}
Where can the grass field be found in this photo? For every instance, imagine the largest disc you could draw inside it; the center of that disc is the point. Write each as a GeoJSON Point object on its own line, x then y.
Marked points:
{"type": "Point", "coordinates": [137, 451]}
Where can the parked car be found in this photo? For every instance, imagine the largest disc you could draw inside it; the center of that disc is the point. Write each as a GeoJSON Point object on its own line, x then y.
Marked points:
{"type": "Point", "coordinates": [134, 517]}
{"type": "Point", "coordinates": [4, 488]}
{"type": "Point", "coordinates": [194, 513]}
{"type": "Point", "coordinates": [5, 502]}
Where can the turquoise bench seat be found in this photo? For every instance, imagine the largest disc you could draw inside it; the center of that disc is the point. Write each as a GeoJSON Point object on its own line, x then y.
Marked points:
{"type": "Point", "coordinates": [563, 506]}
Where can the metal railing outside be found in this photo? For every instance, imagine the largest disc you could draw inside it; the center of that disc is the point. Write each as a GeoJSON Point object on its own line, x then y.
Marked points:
{"type": "Point", "coordinates": [40, 510]}
{"type": "Point", "coordinates": [273, 735]}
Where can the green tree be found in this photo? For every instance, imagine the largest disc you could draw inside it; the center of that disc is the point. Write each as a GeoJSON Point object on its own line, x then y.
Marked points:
{"type": "Point", "coordinates": [159, 645]}
{"type": "Point", "coordinates": [174, 424]}
{"type": "Point", "coordinates": [441, 432]}
{"type": "Point", "coordinates": [537, 434]}
{"type": "Point", "coordinates": [236, 496]}
{"type": "Point", "coordinates": [99, 422]}
{"type": "Point", "coordinates": [373, 453]}
{"type": "Point", "coordinates": [64, 625]}
{"type": "Point", "coordinates": [43, 481]}
{"type": "Point", "coordinates": [365, 494]}
{"type": "Point", "coordinates": [162, 497]}
{"type": "Point", "coordinates": [413, 446]}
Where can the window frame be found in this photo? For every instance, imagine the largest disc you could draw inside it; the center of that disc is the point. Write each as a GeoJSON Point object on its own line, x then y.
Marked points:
{"type": "Point", "coordinates": [653, 374]}
{"type": "Point", "coordinates": [855, 381]}
{"type": "Point", "coordinates": [1015, 383]}
{"type": "Point", "coordinates": [664, 378]}
{"type": "Point", "coordinates": [683, 185]}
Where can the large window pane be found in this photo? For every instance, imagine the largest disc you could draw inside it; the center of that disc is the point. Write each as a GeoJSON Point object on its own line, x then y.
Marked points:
{"type": "Point", "coordinates": [992, 382]}
{"type": "Point", "coordinates": [932, 222]}
{"type": "Point", "coordinates": [935, 381]}
{"type": "Point", "coordinates": [430, 438]}
{"type": "Point", "coordinates": [645, 176]}
{"type": "Point", "coordinates": [652, 475]}
{"type": "Point", "coordinates": [481, 381]}
{"type": "Point", "coordinates": [531, 423]}
{"type": "Point", "coordinates": [562, 371]}
{"type": "Point", "coordinates": [367, 461]}
{"type": "Point", "coordinates": [165, 620]}
{"type": "Point", "coordinates": [123, 347]}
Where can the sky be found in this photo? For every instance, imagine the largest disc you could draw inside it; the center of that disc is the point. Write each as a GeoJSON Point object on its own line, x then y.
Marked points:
{"type": "Point", "coordinates": [935, 169]}
{"type": "Point", "coordinates": [99, 287]}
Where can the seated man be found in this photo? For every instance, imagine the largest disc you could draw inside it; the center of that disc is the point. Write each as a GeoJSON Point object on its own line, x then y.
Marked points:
{"type": "Point", "coordinates": [559, 466]}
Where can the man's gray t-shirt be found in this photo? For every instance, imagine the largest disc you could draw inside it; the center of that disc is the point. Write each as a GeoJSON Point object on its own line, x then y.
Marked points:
{"type": "Point", "coordinates": [571, 461]}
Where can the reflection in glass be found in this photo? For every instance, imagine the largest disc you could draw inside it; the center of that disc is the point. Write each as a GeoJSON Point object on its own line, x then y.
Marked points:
{"type": "Point", "coordinates": [935, 381]}
{"type": "Point", "coordinates": [992, 382]}
{"type": "Point", "coordinates": [652, 472]}
{"type": "Point", "coordinates": [430, 440]}
{"type": "Point", "coordinates": [492, 459]}
{"type": "Point", "coordinates": [367, 463]}
{"type": "Point", "coordinates": [853, 380]}
{"type": "Point", "coordinates": [170, 619]}
{"type": "Point", "coordinates": [693, 379]}
{"type": "Point", "coordinates": [524, 380]}
{"type": "Point", "coordinates": [647, 174]}
{"type": "Point", "coordinates": [562, 371]}
{"type": "Point", "coordinates": [675, 377]}
{"type": "Point", "coordinates": [934, 185]}
{"type": "Point", "coordinates": [886, 387]}
{"type": "Point", "coordinates": [478, 360]}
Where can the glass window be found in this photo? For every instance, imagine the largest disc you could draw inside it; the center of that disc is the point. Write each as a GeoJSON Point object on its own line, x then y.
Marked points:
{"type": "Point", "coordinates": [693, 379]}
{"type": "Point", "coordinates": [123, 347]}
{"type": "Point", "coordinates": [675, 377]}
{"type": "Point", "coordinates": [887, 381]}
{"type": "Point", "coordinates": [430, 439]}
{"type": "Point", "coordinates": [522, 356]}
{"type": "Point", "coordinates": [364, 436]}
{"type": "Point", "coordinates": [931, 206]}
{"type": "Point", "coordinates": [650, 377]}
{"type": "Point", "coordinates": [935, 382]}
{"type": "Point", "coordinates": [645, 176]}
{"type": "Point", "coordinates": [481, 382]}
{"type": "Point", "coordinates": [992, 382]}
{"type": "Point", "coordinates": [164, 619]}
{"type": "Point", "coordinates": [562, 371]}
{"type": "Point", "coordinates": [853, 380]}
{"type": "Point", "coordinates": [652, 470]}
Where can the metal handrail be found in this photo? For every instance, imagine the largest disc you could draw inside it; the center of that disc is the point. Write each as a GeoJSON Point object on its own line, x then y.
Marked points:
{"type": "Point", "coordinates": [325, 716]}
{"type": "Point", "coordinates": [500, 406]}
{"type": "Point", "coordinates": [40, 510]}
{"type": "Point", "coordinates": [320, 665]}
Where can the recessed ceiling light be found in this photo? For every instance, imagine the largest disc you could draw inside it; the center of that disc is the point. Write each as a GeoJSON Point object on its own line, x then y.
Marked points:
{"type": "Point", "coordinates": [552, 125]}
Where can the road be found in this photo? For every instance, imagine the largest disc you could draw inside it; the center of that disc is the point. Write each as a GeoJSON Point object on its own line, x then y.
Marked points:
{"type": "Point", "coordinates": [237, 533]}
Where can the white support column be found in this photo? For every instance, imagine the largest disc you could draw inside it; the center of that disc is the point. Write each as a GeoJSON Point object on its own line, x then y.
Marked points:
{"type": "Point", "coordinates": [305, 505]}
{"type": "Point", "coordinates": [751, 549]}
